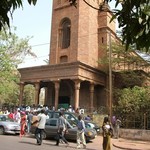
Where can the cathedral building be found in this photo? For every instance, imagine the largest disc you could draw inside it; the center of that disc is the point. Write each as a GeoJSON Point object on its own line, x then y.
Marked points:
{"type": "Point", "coordinates": [74, 75]}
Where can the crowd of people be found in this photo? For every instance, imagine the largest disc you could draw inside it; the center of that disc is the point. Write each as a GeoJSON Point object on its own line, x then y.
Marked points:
{"type": "Point", "coordinates": [36, 116]}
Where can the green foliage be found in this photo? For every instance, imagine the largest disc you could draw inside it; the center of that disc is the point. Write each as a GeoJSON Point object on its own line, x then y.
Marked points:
{"type": "Point", "coordinates": [133, 104]}
{"type": "Point", "coordinates": [7, 7]}
{"type": "Point", "coordinates": [133, 100]}
{"type": "Point", "coordinates": [129, 78]}
{"type": "Point", "coordinates": [134, 20]}
{"type": "Point", "coordinates": [9, 93]}
{"type": "Point", "coordinates": [28, 98]}
{"type": "Point", "coordinates": [32, 2]}
{"type": "Point", "coordinates": [14, 46]}
{"type": "Point", "coordinates": [121, 58]}
{"type": "Point", "coordinates": [12, 52]}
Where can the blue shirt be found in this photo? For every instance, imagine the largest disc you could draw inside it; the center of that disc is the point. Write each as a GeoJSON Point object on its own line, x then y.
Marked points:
{"type": "Point", "coordinates": [81, 125]}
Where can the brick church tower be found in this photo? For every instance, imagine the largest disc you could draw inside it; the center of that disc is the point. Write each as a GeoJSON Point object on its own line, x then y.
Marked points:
{"type": "Point", "coordinates": [78, 33]}
{"type": "Point", "coordinates": [73, 75]}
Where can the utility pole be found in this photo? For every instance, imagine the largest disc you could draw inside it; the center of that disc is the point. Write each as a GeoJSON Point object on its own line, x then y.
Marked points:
{"type": "Point", "coordinates": [110, 76]}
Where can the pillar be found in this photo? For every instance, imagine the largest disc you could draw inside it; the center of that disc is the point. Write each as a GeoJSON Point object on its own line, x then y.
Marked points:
{"type": "Point", "coordinates": [91, 97]}
{"type": "Point", "coordinates": [46, 96]}
{"type": "Point", "coordinates": [77, 91]}
{"type": "Point", "coordinates": [37, 91]}
{"type": "Point", "coordinates": [57, 86]}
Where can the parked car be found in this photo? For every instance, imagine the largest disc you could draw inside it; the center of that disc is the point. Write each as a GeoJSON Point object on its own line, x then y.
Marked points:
{"type": "Point", "coordinates": [73, 119]}
{"type": "Point", "coordinates": [51, 128]}
{"type": "Point", "coordinates": [8, 126]}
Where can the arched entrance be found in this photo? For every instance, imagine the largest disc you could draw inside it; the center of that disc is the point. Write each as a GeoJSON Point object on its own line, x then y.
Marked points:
{"type": "Point", "coordinates": [64, 101]}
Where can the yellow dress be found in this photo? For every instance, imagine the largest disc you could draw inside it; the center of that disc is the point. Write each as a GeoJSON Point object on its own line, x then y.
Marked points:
{"type": "Point", "coordinates": [106, 136]}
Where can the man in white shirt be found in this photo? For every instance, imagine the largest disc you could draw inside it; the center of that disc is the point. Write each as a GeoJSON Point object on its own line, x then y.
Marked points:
{"type": "Point", "coordinates": [17, 116]}
{"type": "Point", "coordinates": [41, 126]}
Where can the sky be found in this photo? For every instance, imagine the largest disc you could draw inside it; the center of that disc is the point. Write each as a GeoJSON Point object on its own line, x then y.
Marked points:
{"type": "Point", "coordinates": [35, 22]}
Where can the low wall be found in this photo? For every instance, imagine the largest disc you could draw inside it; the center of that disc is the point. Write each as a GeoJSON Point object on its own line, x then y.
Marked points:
{"type": "Point", "coordinates": [135, 134]}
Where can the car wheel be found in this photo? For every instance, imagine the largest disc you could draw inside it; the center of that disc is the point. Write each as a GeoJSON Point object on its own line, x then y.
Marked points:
{"type": "Point", "coordinates": [2, 131]}
{"type": "Point", "coordinates": [86, 138]}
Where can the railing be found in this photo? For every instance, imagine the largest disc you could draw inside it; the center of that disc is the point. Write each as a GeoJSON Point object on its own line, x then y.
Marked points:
{"type": "Point", "coordinates": [136, 121]}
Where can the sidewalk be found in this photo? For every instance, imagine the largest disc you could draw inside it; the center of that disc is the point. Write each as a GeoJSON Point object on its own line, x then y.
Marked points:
{"type": "Point", "coordinates": [130, 144]}
{"type": "Point", "coordinates": [121, 143]}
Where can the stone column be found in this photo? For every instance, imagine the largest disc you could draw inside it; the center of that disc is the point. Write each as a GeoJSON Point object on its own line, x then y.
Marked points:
{"type": "Point", "coordinates": [37, 91]}
{"type": "Point", "coordinates": [21, 84]}
{"type": "Point", "coordinates": [91, 97]}
{"type": "Point", "coordinates": [77, 91]}
{"type": "Point", "coordinates": [46, 96]}
{"type": "Point", "coordinates": [57, 86]}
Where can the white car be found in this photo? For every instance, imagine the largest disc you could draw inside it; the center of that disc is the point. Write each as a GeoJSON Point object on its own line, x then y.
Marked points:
{"type": "Point", "coordinates": [8, 126]}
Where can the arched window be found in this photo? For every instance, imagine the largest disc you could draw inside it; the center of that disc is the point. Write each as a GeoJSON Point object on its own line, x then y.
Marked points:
{"type": "Point", "coordinates": [65, 33]}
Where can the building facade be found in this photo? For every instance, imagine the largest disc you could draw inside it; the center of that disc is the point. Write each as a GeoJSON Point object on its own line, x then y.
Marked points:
{"type": "Point", "coordinates": [74, 75]}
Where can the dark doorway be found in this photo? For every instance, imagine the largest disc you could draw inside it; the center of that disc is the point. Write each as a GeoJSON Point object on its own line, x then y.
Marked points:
{"type": "Point", "coordinates": [64, 101]}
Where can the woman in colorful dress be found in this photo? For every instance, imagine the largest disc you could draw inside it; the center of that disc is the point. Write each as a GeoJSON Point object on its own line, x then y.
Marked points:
{"type": "Point", "coordinates": [23, 124]}
{"type": "Point", "coordinates": [107, 133]}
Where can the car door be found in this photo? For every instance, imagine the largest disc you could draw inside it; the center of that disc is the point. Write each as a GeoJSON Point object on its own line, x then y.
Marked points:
{"type": "Point", "coordinates": [51, 127]}
{"type": "Point", "coordinates": [72, 132]}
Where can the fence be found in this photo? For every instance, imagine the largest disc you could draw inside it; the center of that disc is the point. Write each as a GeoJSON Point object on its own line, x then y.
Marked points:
{"type": "Point", "coordinates": [136, 121]}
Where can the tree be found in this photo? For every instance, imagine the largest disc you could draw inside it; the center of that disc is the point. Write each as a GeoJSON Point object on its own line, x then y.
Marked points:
{"type": "Point", "coordinates": [136, 99]}
{"type": "Point", "coordinates": [29, 92]}
{"type": "Point", "coordinates": [133, 103]}
{"type": "Point", "coordinates": [133, 18]}
{"type": "Point", "coordinates": [7, 7]}
{"type": "Point", "coordinates": [12, 52]}
{"type": "Point", "coordinates": [122, 60]}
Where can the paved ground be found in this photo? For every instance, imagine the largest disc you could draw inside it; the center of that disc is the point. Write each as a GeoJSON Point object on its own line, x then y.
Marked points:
{"type": "Point", "coordinates": [28, 142]}
{"type": "Point", "coordinates": [131, 144]}
{"type": "Point", "coordinates": [8, 142]}
{"type": "Point", "coordinates": [117, 144]}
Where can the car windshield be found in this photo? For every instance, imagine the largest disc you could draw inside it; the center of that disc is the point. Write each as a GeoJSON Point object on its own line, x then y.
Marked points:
{"type": "Point", "coordinates": [72, 123]}
{"type": "Point", "coordinates": [75, 115]}
{"type": "Point", "coordinates": [5, 118]}
{"type": "Point", "coordinates": [71, 118]}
